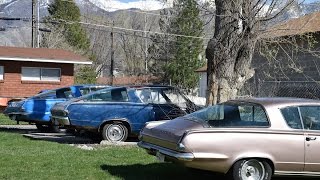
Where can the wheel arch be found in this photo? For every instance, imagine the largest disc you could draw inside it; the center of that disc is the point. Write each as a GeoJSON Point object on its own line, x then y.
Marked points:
{"type": "Point", "coordinates": [125, 122]}
{"type": "Point", "coordinates": [264, 158]}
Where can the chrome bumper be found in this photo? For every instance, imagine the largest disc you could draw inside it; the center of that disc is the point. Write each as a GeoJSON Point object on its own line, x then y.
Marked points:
{"type": "Point", "coordinates": [61, 120]}
{"type": "Point", "coordinates": [167, 152]}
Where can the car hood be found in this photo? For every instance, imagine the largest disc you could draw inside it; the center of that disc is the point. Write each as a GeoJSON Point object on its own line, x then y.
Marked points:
{"type": "Point", "coordinates": [169, 131]}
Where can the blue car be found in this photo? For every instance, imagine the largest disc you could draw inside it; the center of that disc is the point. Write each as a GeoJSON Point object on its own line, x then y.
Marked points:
{"type": "Point", "coordinates": [36, 109]}
{"type": "Point", "coordinates": [118, 112]}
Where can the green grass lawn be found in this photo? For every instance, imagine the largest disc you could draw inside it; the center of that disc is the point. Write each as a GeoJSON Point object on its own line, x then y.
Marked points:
{"type": "Point", "coordinates": [4, 120]}
{"type": "Point", "coordinates": [23, 158]}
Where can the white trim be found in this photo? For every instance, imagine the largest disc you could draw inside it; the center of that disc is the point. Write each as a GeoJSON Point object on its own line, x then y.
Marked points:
{"type": "Point", "coordinates": [45, 60]}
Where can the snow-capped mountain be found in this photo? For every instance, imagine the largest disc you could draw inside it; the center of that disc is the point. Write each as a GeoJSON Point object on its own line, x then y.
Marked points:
{"type": "Point", "coordinates": [17, 32]}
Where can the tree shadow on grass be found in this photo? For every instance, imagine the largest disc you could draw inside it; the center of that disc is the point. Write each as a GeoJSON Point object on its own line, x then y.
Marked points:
{"type": "Point", "coordinates": [157, 171]}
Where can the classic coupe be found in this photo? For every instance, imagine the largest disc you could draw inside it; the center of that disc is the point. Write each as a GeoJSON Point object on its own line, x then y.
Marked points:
{"type": "Point", "coordinates": [117, 112]}
{"type": "Point", "coordinates": [36, 109]}
{"type": "Point", "coordinates": [244, 139]}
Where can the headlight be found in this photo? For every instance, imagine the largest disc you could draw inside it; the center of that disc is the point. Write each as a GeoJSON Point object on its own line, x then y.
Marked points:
{"type": "Point", "coordinates": [65, 113]}
{"type": "Point", "coordinates": [181, 147]}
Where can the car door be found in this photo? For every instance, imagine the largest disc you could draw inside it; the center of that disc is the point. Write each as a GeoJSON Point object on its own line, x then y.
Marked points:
{"type": "Point", "coordinates": [311, 121]}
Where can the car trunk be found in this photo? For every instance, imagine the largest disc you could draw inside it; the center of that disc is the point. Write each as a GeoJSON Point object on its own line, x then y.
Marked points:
{"type": "Point", "coordinates": [169, 133]}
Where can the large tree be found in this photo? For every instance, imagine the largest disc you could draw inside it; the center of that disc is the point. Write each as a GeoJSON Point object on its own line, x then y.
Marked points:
{"type": "Point", "coordinates": [239, 24]}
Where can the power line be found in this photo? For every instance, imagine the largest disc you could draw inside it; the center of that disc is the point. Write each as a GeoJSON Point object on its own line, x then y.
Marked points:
{"type": "Point", "coordinates": [129, 29]}
{"type": "Point", "coordinates": [56, 21]}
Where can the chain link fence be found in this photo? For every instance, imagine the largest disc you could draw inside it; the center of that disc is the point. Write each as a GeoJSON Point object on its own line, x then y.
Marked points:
{"type": "Point", "coordinates": [299, 89]}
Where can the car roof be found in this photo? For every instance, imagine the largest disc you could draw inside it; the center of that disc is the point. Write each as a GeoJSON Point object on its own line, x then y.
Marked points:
{"type": "Point", "coordinates": [152, 86]}
{"type": "Point", "coordinates": [279, 101]}
{"type": "Point", "coordinates": [91, 85]}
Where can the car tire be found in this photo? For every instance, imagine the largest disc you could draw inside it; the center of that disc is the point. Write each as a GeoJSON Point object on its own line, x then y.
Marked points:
{"type": "Point", "coordinates": [251, 169]}
{"type": "Point", "coordinates": [42, 128]}
{"type": "Point", "coordinates": [115, 132]}
{"type": "Point", "coordinates": [47, 128]}
{"type": "Point", "coordinates": [54, 128]}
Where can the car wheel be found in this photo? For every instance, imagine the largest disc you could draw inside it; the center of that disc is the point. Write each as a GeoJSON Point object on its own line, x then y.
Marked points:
{"type": "Point", "coordinates": [47, 128]}
{"type": "Point", "coordinates": [115, 132]}
{"type": "Point", "coordinates": [251, 169]}
{"type": "Point", "coordinates": [42, 128]}
{"type": "Point", "coordinates": [54, 128]}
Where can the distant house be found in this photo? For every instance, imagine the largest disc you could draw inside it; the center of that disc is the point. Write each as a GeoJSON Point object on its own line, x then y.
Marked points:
{"type": "Point", "coordinates": [26, 71]}
{"type": "Point", "coordinates": [298, 76]}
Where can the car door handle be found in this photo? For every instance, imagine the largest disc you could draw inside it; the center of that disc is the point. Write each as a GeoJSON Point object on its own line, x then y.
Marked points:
{"type": "Point", "coordinates": [311, 138]}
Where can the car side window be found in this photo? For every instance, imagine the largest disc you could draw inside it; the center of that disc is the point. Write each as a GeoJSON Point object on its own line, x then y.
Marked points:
{"type": "Point", "coordinates": [119, 95]}
{"type": "Point", "coordinates": [101, 96]}
{"type": "Point", "coordinates": [311, 117]}
{"type": "Point", "coordinates": [292, 117]}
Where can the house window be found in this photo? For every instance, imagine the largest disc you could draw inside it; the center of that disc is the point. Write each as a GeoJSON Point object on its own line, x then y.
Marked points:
{"type": "Point", "coordinates": [40, 74]}
{"type": "Point", "coordinates": [1, 72]}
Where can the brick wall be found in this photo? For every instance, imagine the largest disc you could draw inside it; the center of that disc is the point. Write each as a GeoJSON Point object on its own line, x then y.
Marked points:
{"type": "Point", "coordinates": [13, 87]}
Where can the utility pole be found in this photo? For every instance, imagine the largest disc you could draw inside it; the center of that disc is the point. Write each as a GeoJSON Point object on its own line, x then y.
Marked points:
{"type": "Point", "coordinates": [146, 40]}
{"type": "Point", "coordinates": [112, 54]}
{"type": "Point", "coordinates": [33, 19]}
{"type": "Point", "coordinates": [38, 23]}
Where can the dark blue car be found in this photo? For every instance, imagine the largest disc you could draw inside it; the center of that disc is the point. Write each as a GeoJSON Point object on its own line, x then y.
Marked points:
{"type": "Point", "coordinates": [36, 109]}
{"type": "Point", "coordinates": [117, 112]}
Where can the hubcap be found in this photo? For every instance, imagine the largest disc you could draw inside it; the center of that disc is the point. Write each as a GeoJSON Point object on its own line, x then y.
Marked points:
{"type": "Point", "coordinates": [252, 170]}
{"type": "Point", "coordinates": [115, 132]}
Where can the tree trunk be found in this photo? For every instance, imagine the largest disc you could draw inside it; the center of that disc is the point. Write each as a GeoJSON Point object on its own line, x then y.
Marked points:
{"type": "Point", "coordinates": [229, 52]}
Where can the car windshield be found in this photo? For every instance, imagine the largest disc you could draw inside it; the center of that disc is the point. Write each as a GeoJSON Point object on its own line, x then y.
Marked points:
{"type": "Point", "coordinates": [231, 115]}
{"type": "Point", "coordinates": [162, 96]}
{"type": "Point", "coordinates": [53, 94]}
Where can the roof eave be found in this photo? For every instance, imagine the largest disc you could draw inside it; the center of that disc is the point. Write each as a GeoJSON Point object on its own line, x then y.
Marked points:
{"type": "Point", "coordinates": [45, 60]}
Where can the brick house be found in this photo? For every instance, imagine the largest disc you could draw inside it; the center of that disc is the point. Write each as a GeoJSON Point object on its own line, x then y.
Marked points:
{"type": "Point", "coordinates": [293, 77]}
{"type": "Point", "coordinates": [26, 71]}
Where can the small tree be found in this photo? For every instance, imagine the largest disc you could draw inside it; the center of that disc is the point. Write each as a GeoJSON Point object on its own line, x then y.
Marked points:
{"type": "Point", "coordinates": [67, 13]}
{"type": "Point", "coordinates": [67, 33]}
{"type": "Point", "coordinates": [180, 54]}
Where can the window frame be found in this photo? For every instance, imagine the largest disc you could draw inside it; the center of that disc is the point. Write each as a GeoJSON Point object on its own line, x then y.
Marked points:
{"type": "Point", "coordinates": [40, 78]}
{"type": "Point", "coordinates": [300, 116]}
{"type": "Point", "coordinates": [1, 73]}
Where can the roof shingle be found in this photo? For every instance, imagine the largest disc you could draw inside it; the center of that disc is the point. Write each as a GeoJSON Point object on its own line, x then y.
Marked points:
{"type": "Point", "coordinates": [42, 54]}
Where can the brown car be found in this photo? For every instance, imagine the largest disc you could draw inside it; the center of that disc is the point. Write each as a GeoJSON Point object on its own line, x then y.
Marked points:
{"type": "Point", "coordinates": [245, 139]}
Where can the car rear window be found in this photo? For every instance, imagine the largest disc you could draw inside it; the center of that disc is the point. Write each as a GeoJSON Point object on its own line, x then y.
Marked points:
{"type": "Point", "coordinates": [233, 115]}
